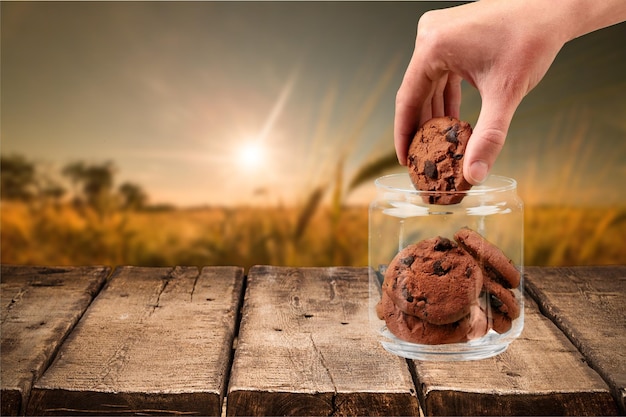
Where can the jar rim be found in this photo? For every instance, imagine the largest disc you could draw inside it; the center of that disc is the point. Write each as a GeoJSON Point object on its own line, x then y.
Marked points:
{"type": "Point", "coordinates": [401, 183]}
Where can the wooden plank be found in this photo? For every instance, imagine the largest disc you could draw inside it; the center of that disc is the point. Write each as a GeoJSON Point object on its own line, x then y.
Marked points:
{"type": "Point", "coordinates": [541, 373]}
{"type": "Point", "coordinates": [305, 348]}
{"type": "Point", "coordinates": [589, 305]}
{"type": "Point", "coordinates": [155, 341]}
{"type": "Point", "coordinates": [40, 306]}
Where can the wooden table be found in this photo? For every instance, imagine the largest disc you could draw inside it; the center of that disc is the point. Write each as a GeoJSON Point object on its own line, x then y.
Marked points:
{"type": "Point", "coordinates": [290, 341]}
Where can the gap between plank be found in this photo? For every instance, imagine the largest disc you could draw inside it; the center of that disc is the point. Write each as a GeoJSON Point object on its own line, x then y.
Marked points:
{"type": "Point", "coordinates": [233, 348]}
{"type": "Point", "coordinates": [55, 351]}
{"type": "Point", "coordinates": [533, 293]}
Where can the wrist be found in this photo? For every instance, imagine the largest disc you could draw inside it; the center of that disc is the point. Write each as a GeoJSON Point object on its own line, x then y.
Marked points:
{"type": "Point", "coordinates": [562, 20]}
{"type": "Point", "coordinates": [570, 19]}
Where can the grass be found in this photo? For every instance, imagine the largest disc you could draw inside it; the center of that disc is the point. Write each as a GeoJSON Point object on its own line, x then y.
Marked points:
{"type": "Point", "coordinates": [210, 236]}
{"type": "Point", "coordinates": [559, 236]}
{"type": "Point", "coordinates": [245, 236]}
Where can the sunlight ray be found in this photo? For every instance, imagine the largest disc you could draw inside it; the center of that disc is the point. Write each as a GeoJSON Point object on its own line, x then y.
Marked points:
{"type": "Point", "coordinates": [278, 107]}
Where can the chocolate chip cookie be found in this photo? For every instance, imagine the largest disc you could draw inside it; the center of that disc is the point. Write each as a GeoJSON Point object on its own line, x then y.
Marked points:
{"type": "Point", "coordinates": [499, 276]}
{"type": "Point", "coordinates": [435, 159]}
{"type": "Point", "coordinates": [412, 329]}
{"type": "Point", "coordinates": [434, 280]}
{"type": "Point", "coordinates": [503, 307]}
{"type": "Point", "coordinates": [496, 265]}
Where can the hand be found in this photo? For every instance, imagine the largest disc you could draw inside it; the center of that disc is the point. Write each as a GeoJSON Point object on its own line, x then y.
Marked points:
{"type": "Point", "coordinates": [502, 48]}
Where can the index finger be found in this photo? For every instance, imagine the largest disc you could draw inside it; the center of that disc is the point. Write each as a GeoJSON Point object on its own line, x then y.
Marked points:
{"type": "Point", "coordinates": [416, 89]}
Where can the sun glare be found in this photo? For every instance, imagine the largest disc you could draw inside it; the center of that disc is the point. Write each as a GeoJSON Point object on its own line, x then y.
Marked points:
{"type": "Point", "coordinates": [251, 155]}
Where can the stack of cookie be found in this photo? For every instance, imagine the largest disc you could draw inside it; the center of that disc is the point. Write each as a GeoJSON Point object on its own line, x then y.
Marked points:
{"type": "Point", "coordinates": [440, 291]}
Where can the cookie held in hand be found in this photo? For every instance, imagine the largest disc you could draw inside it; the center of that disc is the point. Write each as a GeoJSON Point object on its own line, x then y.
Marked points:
{"type": "Point", "coordinates": [435, 159]}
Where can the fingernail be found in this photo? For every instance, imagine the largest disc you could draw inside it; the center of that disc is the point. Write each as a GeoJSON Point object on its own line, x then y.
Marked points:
{"type": "Point", "coordinates": [478, 172]}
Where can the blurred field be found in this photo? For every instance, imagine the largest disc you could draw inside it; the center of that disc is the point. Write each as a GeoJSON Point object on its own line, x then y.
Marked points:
{"type": "Point", "coordinates": [62, 235]}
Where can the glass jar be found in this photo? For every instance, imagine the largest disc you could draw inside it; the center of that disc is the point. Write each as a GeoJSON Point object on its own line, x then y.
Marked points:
{"type": "Point", "coordinates": [446, 281]}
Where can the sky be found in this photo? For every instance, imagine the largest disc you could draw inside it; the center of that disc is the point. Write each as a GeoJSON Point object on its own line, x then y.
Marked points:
{"type": "Point", "coordinates": [221, 103]}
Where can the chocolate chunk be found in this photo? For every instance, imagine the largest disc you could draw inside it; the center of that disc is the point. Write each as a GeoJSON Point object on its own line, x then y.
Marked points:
{"type": "Point", "coordinates": [452, 134]}
{"type": "Point", "coordinates": [407, 295]}
{"type": "Point", "coordinates": [430, 170]}
{"type": "Point", "coordinates": [451, 185]}
{"type": "Point", "coordinates": [458, 156]}
{"type": "Point", "coordinates": [439, 270]}
{"type": "Point", "coordinates": [495, 301]}
{"type": "Point", "coordinates": [408, 261]}
{"type": "Point", "coordinates": [443, 244]}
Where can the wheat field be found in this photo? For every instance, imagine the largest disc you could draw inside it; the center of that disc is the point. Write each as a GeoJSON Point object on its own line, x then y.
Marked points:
{"type": "Point", "coordinates": [245, 236]}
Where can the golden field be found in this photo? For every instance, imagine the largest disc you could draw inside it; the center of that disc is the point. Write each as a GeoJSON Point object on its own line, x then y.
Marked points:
{"type": "Point", "coordinates": [245, 236]}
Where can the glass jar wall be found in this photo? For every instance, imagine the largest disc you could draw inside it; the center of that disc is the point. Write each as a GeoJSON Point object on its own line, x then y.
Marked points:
{"type": "Point", "coordinates": [446, 281]}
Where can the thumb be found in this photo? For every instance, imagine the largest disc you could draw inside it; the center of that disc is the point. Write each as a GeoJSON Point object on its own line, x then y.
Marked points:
{"type": "Point", "coordinates": [487, 138]}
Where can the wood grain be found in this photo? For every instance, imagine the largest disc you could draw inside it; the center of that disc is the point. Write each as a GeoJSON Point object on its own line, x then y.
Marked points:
{"type": "Point", "coordinates": [589, 305]}
{"type": "Point", "coordinates": [541, 373]}
{"type": "Point", "coordinates": [159, 341]}
{"type": "Point", "coordinates": [40, 306]}
{"type": "Point", "coordinates": [155, 341]}
{"type": "Point", "coordinates": [305, 348]}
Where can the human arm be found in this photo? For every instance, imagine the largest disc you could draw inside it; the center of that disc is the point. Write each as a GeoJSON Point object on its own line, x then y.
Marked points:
{"type": "Point", "coordinates": [501, 47]}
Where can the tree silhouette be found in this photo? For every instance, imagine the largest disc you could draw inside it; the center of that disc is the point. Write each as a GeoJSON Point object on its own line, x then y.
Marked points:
{"type": "Point", "coordinates": [95, 183]}
{"type": "Point", "coordinates": [92, 185]}
{"type": "Point", "coordinates": [133, 196]}
{"type": "Point", "coordinates": [51, 191]}
{"type": "Point", "coordinates": [18, 178]}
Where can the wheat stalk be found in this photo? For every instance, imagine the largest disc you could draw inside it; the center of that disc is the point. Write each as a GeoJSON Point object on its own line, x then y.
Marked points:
{"type": "Point", "coordinates": [373, 169]}
{"type": "Point", "coordinates": [308, 211]}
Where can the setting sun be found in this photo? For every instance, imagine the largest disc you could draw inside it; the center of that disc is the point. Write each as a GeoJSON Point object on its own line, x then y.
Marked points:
{"type": "Point", "coordinates": [251, 155]}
